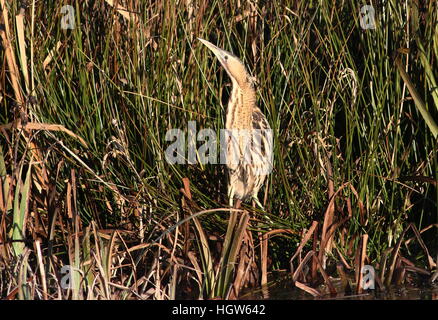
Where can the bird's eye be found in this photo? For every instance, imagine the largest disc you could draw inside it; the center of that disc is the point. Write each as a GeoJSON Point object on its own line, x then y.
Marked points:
{"type": "Point", "coordinates": [226, 57]}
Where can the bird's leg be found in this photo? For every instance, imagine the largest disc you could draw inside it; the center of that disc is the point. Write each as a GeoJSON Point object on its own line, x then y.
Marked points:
{"type": "Point", "coordinates": [238, 204]}
{"type": "Point", "coordinates": [231, 196]}
{"type": "Point", "coordinates": [256, 201]}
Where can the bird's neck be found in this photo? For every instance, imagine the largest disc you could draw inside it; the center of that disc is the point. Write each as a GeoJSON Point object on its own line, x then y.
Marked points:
{"type": "Point", "coordinates": [240, 107]}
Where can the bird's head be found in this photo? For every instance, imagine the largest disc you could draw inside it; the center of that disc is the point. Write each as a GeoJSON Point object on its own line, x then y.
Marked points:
{"type": "Point", "coordinates": [233, 65]}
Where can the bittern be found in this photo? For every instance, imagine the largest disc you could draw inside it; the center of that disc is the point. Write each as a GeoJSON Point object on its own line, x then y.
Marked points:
{"type": "Point", "coordinates": [249, 137]}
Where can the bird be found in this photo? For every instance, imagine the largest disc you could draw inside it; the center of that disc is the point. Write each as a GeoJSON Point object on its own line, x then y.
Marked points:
{"type": "Point", "coordinates": [248, 137]}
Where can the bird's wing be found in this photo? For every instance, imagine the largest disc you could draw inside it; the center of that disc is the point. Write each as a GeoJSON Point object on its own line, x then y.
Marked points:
{"type": "Point", "coordinates": [261, 143]}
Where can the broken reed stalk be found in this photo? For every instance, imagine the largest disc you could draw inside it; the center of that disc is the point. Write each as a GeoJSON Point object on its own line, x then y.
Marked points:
{"type": "Point", "coordinates": [362, 256]}
{"type": "Point", "coordinates": [329, 215]}
{"type": "Point", "coordinates": [264, 258]}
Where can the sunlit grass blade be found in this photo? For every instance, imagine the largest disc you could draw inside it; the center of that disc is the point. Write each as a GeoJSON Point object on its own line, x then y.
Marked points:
{"type": "Point", "coordinates": [21, 200]}
{"type": "Point", "coordinates": [419, 103]}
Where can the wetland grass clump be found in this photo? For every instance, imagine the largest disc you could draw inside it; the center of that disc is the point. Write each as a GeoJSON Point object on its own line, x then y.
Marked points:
{"type": "Point", "coordinates": [91, 209]}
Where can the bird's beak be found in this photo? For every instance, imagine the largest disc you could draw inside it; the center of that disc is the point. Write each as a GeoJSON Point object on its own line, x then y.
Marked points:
{"type": "Point", "coordinates": [221, 54]}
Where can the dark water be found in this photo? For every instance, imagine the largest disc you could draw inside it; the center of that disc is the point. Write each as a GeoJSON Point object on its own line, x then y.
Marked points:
{"type": "Point", "coordinates": [283, 289]}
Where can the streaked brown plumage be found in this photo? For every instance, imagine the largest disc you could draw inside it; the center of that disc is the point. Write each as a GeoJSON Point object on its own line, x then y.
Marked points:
{"type": "Point", "coordinates": [249, 137]}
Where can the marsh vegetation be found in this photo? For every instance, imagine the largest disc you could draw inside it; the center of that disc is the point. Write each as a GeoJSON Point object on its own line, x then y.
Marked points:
{"type": "Point", "coordinates": [85, 111]}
